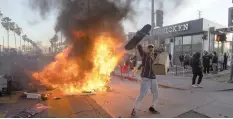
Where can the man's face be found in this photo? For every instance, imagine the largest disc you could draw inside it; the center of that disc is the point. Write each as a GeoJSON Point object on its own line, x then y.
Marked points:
{"type": "Point", "coordinates": [150, 49]}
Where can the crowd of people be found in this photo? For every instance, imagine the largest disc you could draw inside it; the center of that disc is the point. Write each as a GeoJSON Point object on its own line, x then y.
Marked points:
{"type": "Point", "coordinates": [200, 64]}
{"type": "Point", "coordinates": [208, 62]}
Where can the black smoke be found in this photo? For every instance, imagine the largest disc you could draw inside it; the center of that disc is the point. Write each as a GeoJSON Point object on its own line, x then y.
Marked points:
{"type": "Point", "coordinates": [91, 17]}
{"type": "Point", "coordinates": [161, 4]}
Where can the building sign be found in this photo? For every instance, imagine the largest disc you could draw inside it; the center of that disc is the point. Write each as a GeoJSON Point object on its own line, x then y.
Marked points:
{"type": "Point", "coordinates": [185, 28]}
{"type": "Point", "coordinates": [175, 28]}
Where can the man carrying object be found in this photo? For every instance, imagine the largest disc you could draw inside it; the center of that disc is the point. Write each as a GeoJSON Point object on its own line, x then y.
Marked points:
{"type": "Point", "coordinates": [148, 78]}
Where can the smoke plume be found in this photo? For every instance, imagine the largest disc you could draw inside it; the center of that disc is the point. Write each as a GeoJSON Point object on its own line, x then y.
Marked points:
{"type": "Point", "coordinates": [162, 6]}
{"type": "Point", "coordinates": [90, 17]}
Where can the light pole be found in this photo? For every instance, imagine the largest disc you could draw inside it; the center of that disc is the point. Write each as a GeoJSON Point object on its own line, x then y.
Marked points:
{"type": "Point", "coordinates": [152, 19]}
{"type": "Point", "coordinates": [231, 76]}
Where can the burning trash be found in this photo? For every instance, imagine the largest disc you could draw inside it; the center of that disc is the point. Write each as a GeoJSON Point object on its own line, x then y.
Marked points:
{"type": "Point", "coordinates": [95, 36]}
{"type": "Point", "coordinates": [66, 73]}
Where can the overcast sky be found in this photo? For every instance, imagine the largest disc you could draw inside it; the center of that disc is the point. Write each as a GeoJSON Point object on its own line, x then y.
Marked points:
{"type": "Point", "coordinates": [42, 30]}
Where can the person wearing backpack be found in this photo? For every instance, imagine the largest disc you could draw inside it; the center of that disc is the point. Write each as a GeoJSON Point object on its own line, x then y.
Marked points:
{"type": "Point", "coordinates": [197, 70]}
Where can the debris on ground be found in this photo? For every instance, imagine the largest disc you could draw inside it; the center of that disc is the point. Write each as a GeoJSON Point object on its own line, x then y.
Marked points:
{"type": "Point", "coordinates": [44, 97]}
{"type": "Point", "coordinates": [56, 98]}
{"type": "Point", "coordinates": [32, 95]}
{"type": "Point", "coordinates": [32, 112]}
{"type": "Point", "coordinates": [109, 89]}
{"type": "Point", "coordinates": [86, 92]}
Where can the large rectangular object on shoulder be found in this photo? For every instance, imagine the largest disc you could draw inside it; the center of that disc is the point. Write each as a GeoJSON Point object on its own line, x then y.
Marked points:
{"type": "Point", "coordinates": [138, 37]}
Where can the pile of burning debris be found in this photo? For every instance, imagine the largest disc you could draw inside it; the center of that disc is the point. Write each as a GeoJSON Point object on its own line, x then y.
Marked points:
{"type": "Point", "coordinates": [41, 92]}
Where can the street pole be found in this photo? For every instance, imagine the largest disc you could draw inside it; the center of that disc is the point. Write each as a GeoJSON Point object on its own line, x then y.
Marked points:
{"type": "Point", "coordinates": [199, 14]}
{"type": "Point", "coordinates": [231, 76]}
{"type": "Point", "coordinates": [152, 19]}
{"type": "Point", "coordinates": [3, 44]}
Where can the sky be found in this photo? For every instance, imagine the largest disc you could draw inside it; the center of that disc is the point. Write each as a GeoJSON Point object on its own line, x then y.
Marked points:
{"type": "Point", "coordinates": [42, 30]}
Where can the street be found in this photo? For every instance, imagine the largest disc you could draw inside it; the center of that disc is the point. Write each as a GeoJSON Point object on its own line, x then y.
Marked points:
{"type": "Point", "coordinates": [94, 58]}
{"type": "Point", "coordinates": [176, 99]}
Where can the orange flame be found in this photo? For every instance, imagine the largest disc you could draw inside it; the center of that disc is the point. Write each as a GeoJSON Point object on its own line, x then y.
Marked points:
{"type": "Point", "coordinates": [63, 73]}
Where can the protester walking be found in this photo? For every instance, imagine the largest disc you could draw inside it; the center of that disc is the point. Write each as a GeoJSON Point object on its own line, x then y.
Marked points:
{"type": "Point", "coordinates": [225, 61]}
{"type": "Point", "coordinates": [206, 62]}
{"type": "Point", "coordinates": [197, 70]}
{"type": "Point", "coordinates": [148, 78]}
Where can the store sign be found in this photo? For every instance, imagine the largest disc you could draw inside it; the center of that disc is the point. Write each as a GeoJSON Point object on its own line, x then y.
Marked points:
{"type": "Point", "coordinates": [175, 28]}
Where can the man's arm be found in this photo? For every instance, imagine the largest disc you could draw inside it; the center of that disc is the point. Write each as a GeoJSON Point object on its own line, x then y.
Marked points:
{"type": "Point", "coordinates": [140, 50]}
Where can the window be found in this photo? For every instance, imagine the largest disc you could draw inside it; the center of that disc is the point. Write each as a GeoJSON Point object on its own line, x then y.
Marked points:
{"type": "Point", "coordinates": [187, 40]}
{"type": "Point", "coordinates": [197, 39]}
{"type": "Point", "coordinates": [178, 41]}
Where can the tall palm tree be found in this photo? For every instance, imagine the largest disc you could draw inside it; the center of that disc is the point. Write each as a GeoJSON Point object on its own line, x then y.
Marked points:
{"type": "Point", "coordinates": [25, 39]}
{"type": "Point", "coordinates": [12, 28]}
{"type": "Point", "coordinates": [18, 31]}
{"type": "Point", "coordinates": [1, 15]}
{"type": "Point", "coordinates": [6, 24]}
{"type": "Point", "coordinates": [53, 42]}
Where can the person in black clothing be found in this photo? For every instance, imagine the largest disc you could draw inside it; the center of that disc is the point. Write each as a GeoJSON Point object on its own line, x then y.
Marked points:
{"type": "Point", "coordinates": [225, 61]}
{"type": "Point", "coordinates": [148, 78]}
{"type": "Point", "coordinates": [197, 70]}
{"type": "Point", "coordinates": [206, 62]}
{"type": "Point", "coordinates": [186, 60]}
{"type": "Point", "coordinates": [211, 64]}
{"type": "Point", "coordinates": [181, 58]}
{"type": "Point", "coordinates": [170, 59]}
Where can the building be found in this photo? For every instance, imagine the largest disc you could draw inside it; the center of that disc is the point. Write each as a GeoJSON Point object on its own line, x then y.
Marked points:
{"type": "Point", "coordinates": [190, 37]}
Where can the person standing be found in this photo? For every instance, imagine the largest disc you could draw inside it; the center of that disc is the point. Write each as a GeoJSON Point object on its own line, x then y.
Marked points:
{"type": "Point", "coordinates": [186, 61]}
{"type": "Point", "coordinates": [206, 62]}
{"type": "Point", "coordinates": [215, 62]}
{"type": "Point", "coordinates": [211, 59]}
{"type": "Point", "coordinates": [181, 58]}
{"type": "Point", "coordinates": [221, 60]}
{"type": "Point", "coordinates": [148, 79]}
{"type": "Point", "coordinates": [225, 61]}
{"type": "Point", "coordinates": [170, 59]}
{"type": "Point", "coordinates": [197, 70]}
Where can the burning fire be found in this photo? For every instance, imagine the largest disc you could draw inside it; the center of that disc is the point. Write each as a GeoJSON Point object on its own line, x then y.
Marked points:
{"type": "Point", "coordinates": [63, 72]}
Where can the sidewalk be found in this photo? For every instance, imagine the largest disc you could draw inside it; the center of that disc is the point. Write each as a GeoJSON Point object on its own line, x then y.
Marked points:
{"type": "Point", "coordinates": [171, 103]}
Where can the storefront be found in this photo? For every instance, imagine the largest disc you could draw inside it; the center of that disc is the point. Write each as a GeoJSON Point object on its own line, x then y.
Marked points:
{"type": "Point", "coordinates": [188, 38]}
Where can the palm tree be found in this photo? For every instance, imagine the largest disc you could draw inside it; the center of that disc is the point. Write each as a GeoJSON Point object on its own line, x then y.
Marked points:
{"type": "Point", "coordinates": [12, 28]}
{"type": "Point", "coordinates": [25, 39]}
{"type": "Point", "coordinates": [1, 15]}
{"type": "Point", "coordinates": [53, 42]}
{"type": "Point", "coordinates": [18, 31]}
{"type": "Point", "coordinates": [6, 24]}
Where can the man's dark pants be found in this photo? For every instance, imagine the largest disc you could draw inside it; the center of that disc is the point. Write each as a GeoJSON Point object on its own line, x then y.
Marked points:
{"type": "Point", "coordinates": [206, 69]}
{"type": "Point", "coordinates": [200, 74]}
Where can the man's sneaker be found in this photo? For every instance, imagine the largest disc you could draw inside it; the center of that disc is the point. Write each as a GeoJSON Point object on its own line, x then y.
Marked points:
{"type": "Point", "coordinates": [152, 110]}
{"type": "Point", "coordinates": [133, 113]}
{"type": "Point", "coordinates": [200, 86]}
{"type": "Point", "coordinates": [194, 86]}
